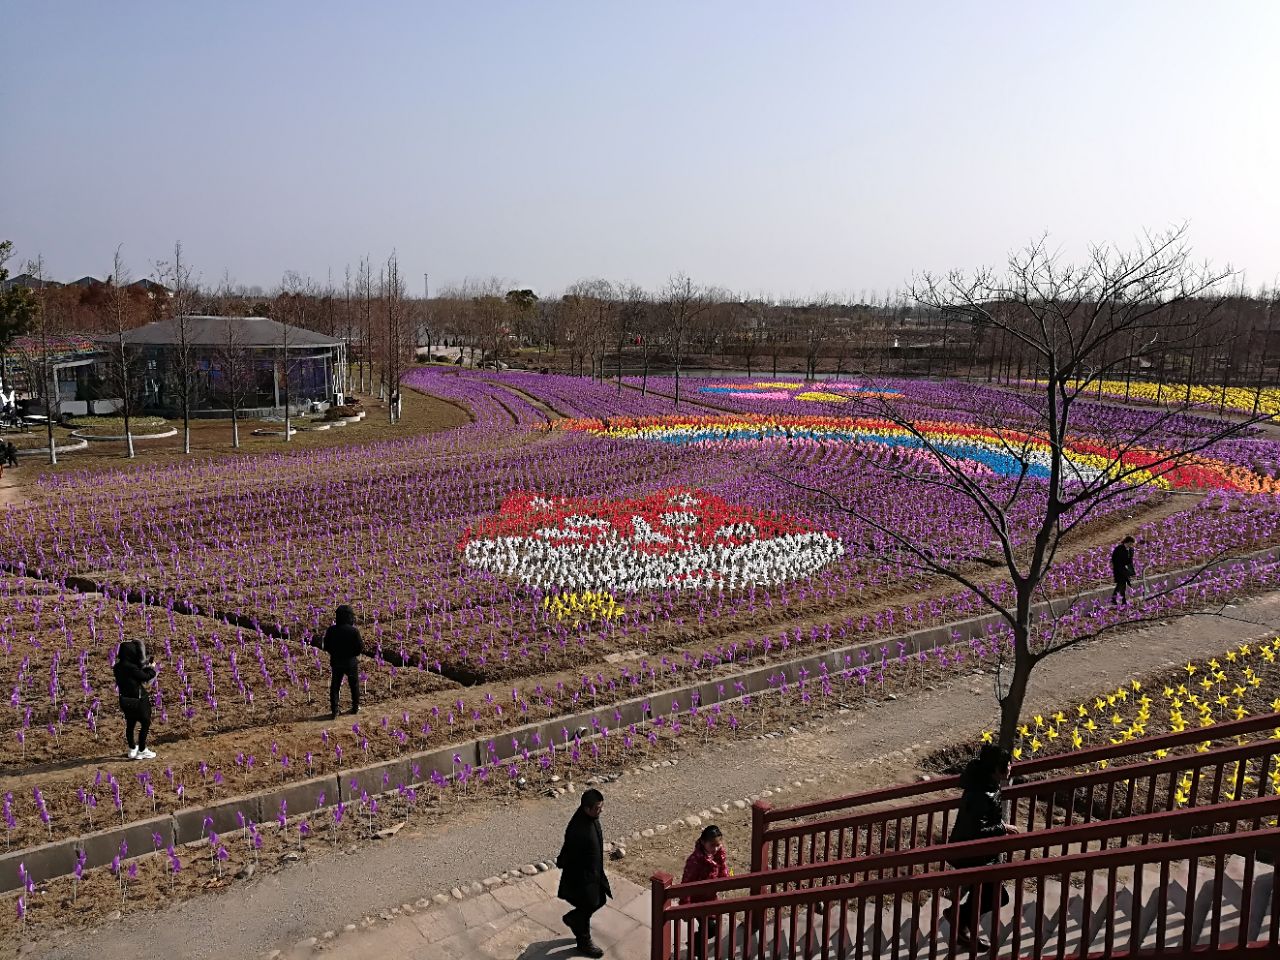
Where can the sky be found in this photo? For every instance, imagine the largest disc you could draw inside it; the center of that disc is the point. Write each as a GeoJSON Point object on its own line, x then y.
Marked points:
{"type": "Point", "coordinates": [780, 149]}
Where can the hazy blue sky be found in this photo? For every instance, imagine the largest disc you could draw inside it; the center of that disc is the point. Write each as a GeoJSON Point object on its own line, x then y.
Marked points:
{"type": "Point", "coordinates": [784, 147]}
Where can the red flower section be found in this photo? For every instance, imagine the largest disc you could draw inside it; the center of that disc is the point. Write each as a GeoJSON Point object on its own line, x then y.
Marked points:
{"type": "Point", "coordinates": [673, 520]}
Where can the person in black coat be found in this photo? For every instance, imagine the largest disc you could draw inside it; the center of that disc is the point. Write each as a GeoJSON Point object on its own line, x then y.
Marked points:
{"type": "Point", "coordinates": [132, 675]}
{"type": "Point", "coordinates": [583, 883]}
{"type": "Point", "coordinates": [1122, 569]}
{"type": "Point", "coordinates": [980, 817]}
{"type": "Point", "coordinates": [343, 642]}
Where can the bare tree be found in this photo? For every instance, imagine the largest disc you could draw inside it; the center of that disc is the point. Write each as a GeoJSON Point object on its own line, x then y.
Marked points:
{"type": "Point", "coordinates": [399, 336]}
{"type": "Point", "coordinates": [364, 292]}
{"type": "Point", "coordinates": [750, 327]}
{"type": "Point", "coordinates": [811, 329]}
{"type": "Point", "coordinates": [778, 338]}
{"type": "Point", "coordinates": [522, 305]}
{"type": "Point", "coordinates": [234, 360]}
{"type": "Point", "coordinates": [427, 321]}
{"type": "Point", "coordinates": [48, 373]}
{"type": "Point", "coordinates": [348, 328]}
{"type": "Point", "coordinates": [577, 317]}
{"type": "Point", "coordinates": [630, 317]}
{"type": "Point", "coordinates": [179, 304]}
{"type": "Point", "coordinates": [591, 307]}
{"type": "Point", "coordinates": [289, 303]}
{"type": "Point", "coordinates": [123, 373]}
{"type": "Point", "coordinates": [1080, 324]}
{"type": "Point", "coordinates": [684, 304]}
{"type": "Point", "coordinates": [489, 320]}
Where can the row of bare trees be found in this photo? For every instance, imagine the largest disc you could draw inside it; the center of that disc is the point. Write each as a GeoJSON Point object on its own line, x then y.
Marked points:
{"type": "Point", "coordinates": [598, 328]}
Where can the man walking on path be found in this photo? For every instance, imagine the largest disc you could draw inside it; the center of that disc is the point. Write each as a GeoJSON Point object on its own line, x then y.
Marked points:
{"type": "Point", "coordinates": [581, 861]}
{"type": "Point", "coordinates": [343, 642]}
{"type": "Point", "coordinates": [1122, 569]}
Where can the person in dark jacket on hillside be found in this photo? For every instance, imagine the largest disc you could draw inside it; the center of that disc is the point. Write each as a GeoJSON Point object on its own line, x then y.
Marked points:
{"type": "Point", "coordinates": [980, 817]}
{"type": "Point", "coordinates": [132, 675]}
{"type": "Point", "coordinates": [1122, 569]}
{"type": "Point", "coordinates": [343, 642]}
{"type": "Point", "coordinates": [583, 883]}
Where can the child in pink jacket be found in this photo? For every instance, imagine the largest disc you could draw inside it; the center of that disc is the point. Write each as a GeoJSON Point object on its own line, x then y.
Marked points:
{"type": "Point", "coordinates": [709, 861]}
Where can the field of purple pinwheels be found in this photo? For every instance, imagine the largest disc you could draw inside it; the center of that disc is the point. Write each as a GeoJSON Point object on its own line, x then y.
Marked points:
{"type": "Point", "coordinates": [575, 544]}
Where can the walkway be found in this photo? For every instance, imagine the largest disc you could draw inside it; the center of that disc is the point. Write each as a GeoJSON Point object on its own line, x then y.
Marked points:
{"type": "Point", "coordinates": [518, 921]}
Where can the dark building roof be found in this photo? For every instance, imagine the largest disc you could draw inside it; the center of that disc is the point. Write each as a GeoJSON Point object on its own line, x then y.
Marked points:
{"type": "Point", "coordinates": [30, 282]}
{"type": "Point", "coordinates": [148, 286]}
{"type": "Point", "coordinates": [212, 332]}
{"type": "Point", "coordinates": [86, 282]}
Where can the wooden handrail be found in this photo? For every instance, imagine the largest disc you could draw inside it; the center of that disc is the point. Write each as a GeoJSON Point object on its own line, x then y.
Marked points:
{"type": "Point", "coordinates": [1238, 843]}
{"type": "Point", "coordinates": [1161, 823]}
{"type": "Point", "coordinates": [1033, 788]}
{"type": "Point", "coordinates": [1217, 731]}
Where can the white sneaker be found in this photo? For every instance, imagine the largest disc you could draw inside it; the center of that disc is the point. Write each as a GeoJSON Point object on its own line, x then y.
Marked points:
{"type": "Point", "coordinates": [145, 755]}
{"type": "Point", "coordinates": [133, 753]}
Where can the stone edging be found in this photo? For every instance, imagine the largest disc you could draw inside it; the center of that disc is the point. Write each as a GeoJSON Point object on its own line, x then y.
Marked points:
{"type": "Point", "coordinates": [58, 857]}
{"type": "Point", "coordinates": [106, 438]}
{"type": "Point", "coordinates": [58, 448]}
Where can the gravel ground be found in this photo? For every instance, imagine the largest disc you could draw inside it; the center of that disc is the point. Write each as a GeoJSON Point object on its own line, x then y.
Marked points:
{"type": "Point", "coordinates": [849, 752]}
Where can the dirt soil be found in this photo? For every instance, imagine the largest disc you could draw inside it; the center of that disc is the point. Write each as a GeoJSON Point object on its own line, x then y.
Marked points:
{"type": "Point", "coordinates": [440, 848]}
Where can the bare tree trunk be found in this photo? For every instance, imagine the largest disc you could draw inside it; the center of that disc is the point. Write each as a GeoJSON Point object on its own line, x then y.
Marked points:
{"type": "Point", "coordinates": [285, 371]}
{"type": "Point", "coordinates": [1014, 698]}
{"type": "Point", "coordinates": [48, 377]}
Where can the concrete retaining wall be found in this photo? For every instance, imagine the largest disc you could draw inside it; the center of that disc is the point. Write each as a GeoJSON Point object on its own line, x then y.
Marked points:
{"type": "Point", "coordinates": [185, 826]}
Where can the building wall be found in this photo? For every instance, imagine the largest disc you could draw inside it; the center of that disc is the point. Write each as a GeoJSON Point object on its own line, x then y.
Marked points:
{"type": "Point", "coordinates": [259, 380]}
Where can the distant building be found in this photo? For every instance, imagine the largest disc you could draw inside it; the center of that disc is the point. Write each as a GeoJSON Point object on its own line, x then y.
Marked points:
{"type": "Point", "coordinates": [30, 282]}
{"type": "Point", "coordinates": [150, 287]}
{"type": "Point", "coordinates": [71, 361]}
{"type": "Point", "coordinates": [263, 351]}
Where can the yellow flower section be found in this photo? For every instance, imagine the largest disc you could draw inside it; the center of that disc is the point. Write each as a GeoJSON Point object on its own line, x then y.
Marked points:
{"type": "Point", "coordinates": [588, 606]}
{"type": "Point", "coordinates": [1237, 399]}
{"type": "Point", "coordinates": [823, 396]}
{"type": "Point", "coordinates": [1213, 692]}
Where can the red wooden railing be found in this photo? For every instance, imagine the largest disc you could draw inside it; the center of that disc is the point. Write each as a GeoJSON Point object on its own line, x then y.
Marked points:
{"type": "Point", "coordinates": [1059, 841]}
{"type": "Point", "coordinates": [1229, 773]}
{"type": "Point", "coordinates": [1126, 902]}
{"type": "Point", "coordinates": [1110, 791]}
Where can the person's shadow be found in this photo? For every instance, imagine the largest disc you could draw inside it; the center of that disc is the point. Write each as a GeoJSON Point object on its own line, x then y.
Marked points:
{"type": "Point", "coordinates": [550, 949]}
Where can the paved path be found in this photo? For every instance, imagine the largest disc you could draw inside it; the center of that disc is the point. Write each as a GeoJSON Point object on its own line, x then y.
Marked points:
{"type": "Point", "coordinates": [517, 921]}
{"type": "Point", "coordinates": [856, 751]}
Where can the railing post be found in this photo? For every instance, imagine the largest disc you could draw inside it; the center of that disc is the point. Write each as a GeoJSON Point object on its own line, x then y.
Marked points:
{"type": "Point", "coordinates": [660, 942]}
{"type": "Point", "coordinates": [754, 920]}
{"type": "Point", "coordinates": [758, 811]}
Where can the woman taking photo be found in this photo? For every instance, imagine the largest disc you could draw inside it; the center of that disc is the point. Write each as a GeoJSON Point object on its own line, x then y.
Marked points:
{"type": "Point", "coordinates": [132, 675]}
